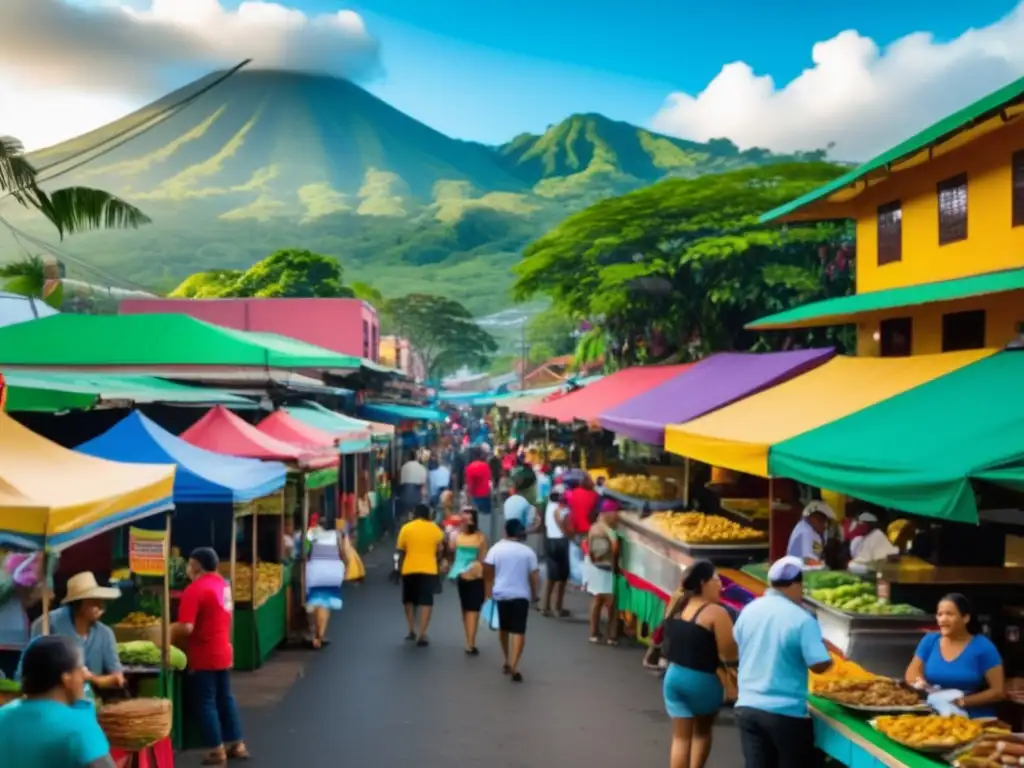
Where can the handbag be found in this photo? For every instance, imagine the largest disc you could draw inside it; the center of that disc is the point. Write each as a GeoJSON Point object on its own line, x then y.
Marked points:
{"type": "Point", "coordinates": [489, 613]}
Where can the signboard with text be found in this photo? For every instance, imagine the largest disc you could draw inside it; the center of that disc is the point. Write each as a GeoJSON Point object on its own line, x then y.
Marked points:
{"type": "Point", "coordinates": [147, 552]}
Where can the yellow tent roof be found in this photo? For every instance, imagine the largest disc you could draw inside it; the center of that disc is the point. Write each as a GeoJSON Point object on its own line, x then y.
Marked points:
{"type": "Point", "coordinates": [738, 436]}
{"type": "Point", "coordinates": [54, 497]}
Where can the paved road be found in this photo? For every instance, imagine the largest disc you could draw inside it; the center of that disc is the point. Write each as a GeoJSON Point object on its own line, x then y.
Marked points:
{"type": "Point", "coordinates": [371, 699]}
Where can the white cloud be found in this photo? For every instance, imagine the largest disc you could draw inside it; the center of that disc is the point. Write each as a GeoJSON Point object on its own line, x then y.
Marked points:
{"type": "Point", "coordinates": [67, 67]}
{"type": "Point", "coordinates": [862, 98]}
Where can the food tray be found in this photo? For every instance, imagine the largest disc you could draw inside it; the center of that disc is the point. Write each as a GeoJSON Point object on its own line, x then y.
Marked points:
{"type": "Point", "coordinates": [920, 708]}
{"type": "Point", "coordinates": [924, 619]}
{"type": "Point", "coordinates": [925, 749]}
{"type": "Point", "coordinates": [648, 505]}
{"type": "Point", "coordinates": [695, 547]}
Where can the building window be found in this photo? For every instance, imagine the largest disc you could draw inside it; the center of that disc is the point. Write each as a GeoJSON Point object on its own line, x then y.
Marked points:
{"type": "Point", "coordinates": [890, 233]}
{"type": "Point", "coordinates": [1018, 189]}
{"type": "Point", "coordinates": [953, 209]}
{"type": "Point", "coordinates": [366, 340]}
{"type": "Point", "coordinates": [896, 336]}
{"type": "Point", "coordinates": [963, 330]}
{"type": "Point", "coordinates": [375, 345]}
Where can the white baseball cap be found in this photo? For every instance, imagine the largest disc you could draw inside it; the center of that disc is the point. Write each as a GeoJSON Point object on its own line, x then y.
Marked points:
{"type": "Point", "coordinates": [867, 517]}
{"type": "Point", "coordinates": [819, 506]}
{"type": "Point", "coordinates": [785, 569]}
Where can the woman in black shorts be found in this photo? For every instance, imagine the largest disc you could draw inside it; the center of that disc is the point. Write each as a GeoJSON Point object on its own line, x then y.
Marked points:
{"type": "Point", "coordinates": [470, 546]}
{"type": "Point", "coordinates": [556, 552]}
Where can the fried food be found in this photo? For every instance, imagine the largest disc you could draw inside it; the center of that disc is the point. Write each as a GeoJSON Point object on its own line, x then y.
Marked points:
{"type": "Point", "coordinates": [698, 528]}
{"type": "Point", "coordinates": [139, 620]}
{"type": "Point", "coordinates": [929, 731]}
{"type": "Point", "coordinates": [841, 670]}
{"type": "Point", "coordinates": [648, 487]}
{"type": "Point", "coordinates": [268, 581]}
{"type": "Point", "coordinates": [879, 692]}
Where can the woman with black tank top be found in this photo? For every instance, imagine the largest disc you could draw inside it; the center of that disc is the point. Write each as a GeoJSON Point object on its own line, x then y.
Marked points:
{"type": "Point", "coordinates": [697, 643]}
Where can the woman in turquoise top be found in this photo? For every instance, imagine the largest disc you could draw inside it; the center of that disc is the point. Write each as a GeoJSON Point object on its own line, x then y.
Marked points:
{"type": "Point", "coordinates": [467, 570]}
{"type": "Point", "coordinates": [52, 727]}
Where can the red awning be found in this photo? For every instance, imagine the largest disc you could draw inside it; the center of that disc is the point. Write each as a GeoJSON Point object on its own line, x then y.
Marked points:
{"type": "Point", "coordinates": [281, 426]}
{"type": "Point", "coordinates": [588, 403]}
{"type": "Point", "coordinates": [221, 431]}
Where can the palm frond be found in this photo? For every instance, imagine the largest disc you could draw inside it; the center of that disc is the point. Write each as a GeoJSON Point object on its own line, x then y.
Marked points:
{"type": "Point", "coordinates": [17, 175]}
{"type": "Point", "coordinates": [79, 209]}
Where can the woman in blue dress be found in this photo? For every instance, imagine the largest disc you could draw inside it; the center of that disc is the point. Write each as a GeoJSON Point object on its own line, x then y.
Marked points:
{"type": "Point", "coordinates": [470, 546]}
{"type": "Point", "coordinates": [325, 573]}
{"type": "Point", "coordinates": [958, 658]}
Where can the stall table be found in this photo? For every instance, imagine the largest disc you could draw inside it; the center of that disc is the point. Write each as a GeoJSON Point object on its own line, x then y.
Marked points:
{"type": "Point", "coordinates": [852, 741]}
{"type": "Point", "coordinates": [258, 631]}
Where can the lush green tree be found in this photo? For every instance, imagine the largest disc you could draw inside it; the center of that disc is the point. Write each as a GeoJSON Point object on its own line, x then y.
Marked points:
{"type": "Point", "coordinates": [442, 330]}
{"type": "Point", "coordinates": [367, 293]}
{"type": "Point", "coordinates": [549, 334]}
{"type": "Point", "coordinates": [288, 273]}
{"type": "Point", "coordinates": [680, 267]}
{"type": "Point", "coordinates": [70, 210]}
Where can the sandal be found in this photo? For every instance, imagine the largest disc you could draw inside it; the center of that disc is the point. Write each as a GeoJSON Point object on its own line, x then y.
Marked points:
{"type": "Point", "coordinates": [422, 642]}
{"type": "Point", "coordinates": [612, 642]}
{"type": "Point", "coordinates": [411, 637]}
{"type": "Point", "coordinates": [564, 614]}
{"type": "Point", "coordinates": [517, 677]}
{"type": "Point", "coordinates": [474, 651]}
{"type": "Point", "coordinates": [506, 669]}
{"type": "Point", "coordinates": [547, 613]}
{"type": "Point", "coordinates": [595, 640]}
{"type": "Point", "coordinates": [216, 757]}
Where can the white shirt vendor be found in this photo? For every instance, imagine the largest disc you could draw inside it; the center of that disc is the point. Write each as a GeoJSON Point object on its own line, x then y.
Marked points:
{"type": "Point", "coordinates": [873, 546]}
{"type": "Point", "coordinates": [807, 541]}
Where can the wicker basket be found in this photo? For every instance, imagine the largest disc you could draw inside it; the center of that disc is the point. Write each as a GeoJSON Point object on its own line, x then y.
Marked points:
{"type": "Point", "coordinates": [135, 724]}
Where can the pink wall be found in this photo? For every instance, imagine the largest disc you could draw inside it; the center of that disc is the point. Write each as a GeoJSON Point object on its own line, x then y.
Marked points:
{"type": "Point", "coordinates": [348, 326]}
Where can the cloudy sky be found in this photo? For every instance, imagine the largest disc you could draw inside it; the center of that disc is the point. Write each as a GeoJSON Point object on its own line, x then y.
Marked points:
{"type": "Point", "coordinates": [785, 75]}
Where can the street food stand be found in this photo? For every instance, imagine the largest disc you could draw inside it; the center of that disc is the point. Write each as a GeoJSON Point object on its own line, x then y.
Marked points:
{"type": "Point", "coordinates": [260, 627]}
{"type": "Point", "coordinates": [92, 497]}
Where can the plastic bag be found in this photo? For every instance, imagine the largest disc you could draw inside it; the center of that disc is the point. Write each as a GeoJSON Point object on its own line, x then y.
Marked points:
{"type": "Point", "coordinates": [489, 613]}
{"type": "Point", "coordinates": [576, 564]}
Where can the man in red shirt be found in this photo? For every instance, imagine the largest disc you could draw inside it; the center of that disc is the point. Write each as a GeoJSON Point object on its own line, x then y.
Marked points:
{"type": "Point", "coordinates": [478, 489]}
{"type": "Point", "coordinates": [204, 617]}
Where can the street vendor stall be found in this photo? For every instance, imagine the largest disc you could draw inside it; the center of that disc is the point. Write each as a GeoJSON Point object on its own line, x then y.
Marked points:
{"type": "Point", "coordinates": [221, 431]}
{"type": "Point", "coordinates": [208, 489]}
{"type": "Point", "coordinates": [91, 497]}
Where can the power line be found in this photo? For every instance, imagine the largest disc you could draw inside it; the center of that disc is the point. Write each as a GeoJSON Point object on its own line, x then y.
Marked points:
{"type": "Point", "coordinates": [127, 134]}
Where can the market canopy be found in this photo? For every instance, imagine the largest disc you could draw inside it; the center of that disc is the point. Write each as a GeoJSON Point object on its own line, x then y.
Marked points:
{"type": "Point", "coordinates": [380, 432]}
{"type": "Point", "coordinates": [393, 413]}
{"type": "Point", "coordinates": [351, 440]}
{"type": "Point", "coordinates": [53, 497]}
{"type": "Point", "coordinates": [710, 384]}
{"type": "Point", "coordinates": [221, 431]}
{"type": "Point", "coordinates": [53, 391]}
{"type": "Point", "coordinates": [281, 426]}
{"type": "Point", "coordinates": [151, 341]}
{"type": "Point", "coordinates": [917, 452]}
{"type": "Point", "coordinates": [846, 309]}
{"type": "Point", "coordinates": [738, 436]}
{"type": "Point", "coordinates": [591, 401]}
{"type": "Point", "coordinates": [202, 476]}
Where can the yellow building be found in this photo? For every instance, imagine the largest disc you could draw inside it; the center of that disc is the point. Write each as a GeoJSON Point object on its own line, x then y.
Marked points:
{"type": "Point", "coordinates": [940, 236]}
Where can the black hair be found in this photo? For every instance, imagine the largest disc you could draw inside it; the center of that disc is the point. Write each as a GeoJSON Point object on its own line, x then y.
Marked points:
{"type": "Point", "coordinates": [555, 496]}
{"type": "Point", "coordinates": [964, 608]}
{"type": "Point", "coordinates": [515, 529]}
{"type": "Point", "coordinates": [433, 464]}
{"type": "Point", "coordinates": [207, 558]}
{"type": "Point", "coordinates": [474, 521]}
{"type": "Point", "coordinates": [45, 662]}
{"type": "Point", "coordinates": [422, 512]}
{"type": "Point", "coordinates": [697, 575]}
{"type": "Point", "coordinates": [783, 583]}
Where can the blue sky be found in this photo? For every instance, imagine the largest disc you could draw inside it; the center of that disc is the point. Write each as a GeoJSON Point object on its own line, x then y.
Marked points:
{"type": "Point", "coordinates": [487, 70]}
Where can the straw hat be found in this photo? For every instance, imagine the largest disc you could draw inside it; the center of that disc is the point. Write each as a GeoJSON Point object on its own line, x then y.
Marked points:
{"type": "Point", "coordinates": [83, 586]}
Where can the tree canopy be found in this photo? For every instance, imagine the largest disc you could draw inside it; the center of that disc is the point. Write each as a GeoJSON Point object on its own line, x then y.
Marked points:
{"type": "Point", "coordinates": [288, 273]}
{"type": "Point", "coordinates": [442, 330]}
{"type": "Point", "coordinates": [679, 268]}
{"type": "Point", "coordinates": [549, 334]}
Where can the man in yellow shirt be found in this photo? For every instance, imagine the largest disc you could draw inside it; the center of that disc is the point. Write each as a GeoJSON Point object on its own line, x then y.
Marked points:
{"type": "Point", "coordinates": [420, 545]}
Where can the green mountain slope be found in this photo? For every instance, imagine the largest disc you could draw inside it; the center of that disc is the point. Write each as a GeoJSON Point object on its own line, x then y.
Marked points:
{"type": "Point", "coordinates": [269, 160]}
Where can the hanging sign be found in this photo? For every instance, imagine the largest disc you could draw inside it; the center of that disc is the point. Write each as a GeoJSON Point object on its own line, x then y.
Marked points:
{"type": "Point", "coordinates": [147, 552]}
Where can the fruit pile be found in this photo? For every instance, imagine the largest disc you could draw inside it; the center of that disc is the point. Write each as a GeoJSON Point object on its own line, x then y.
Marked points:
{"type": "Point", "coordinates": [142, 653]}
{"type": "Point", "coordinates": [139, 620]}
{"type": "Point", "coordinates": [647, 487]}
{"type": "Point", "coordinates": [861, 599]}
{"type": "Point", "coordinates": [268, 581]}
{"type": "Point", "coordinates": [929, 731]}
{"type": "Point", "coordinates": [698, 528]}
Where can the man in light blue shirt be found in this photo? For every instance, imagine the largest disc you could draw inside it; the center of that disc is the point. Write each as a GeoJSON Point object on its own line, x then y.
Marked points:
{"type": "Point", "coordinates": [807, 541]}
{"type": "Point", "coordinates": [518, 507]}
{"type": "Point", "coordinates": [779, 641]}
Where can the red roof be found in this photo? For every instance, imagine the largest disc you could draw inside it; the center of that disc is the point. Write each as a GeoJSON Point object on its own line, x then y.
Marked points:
{"type": "Point", "coordinates": [221, 431]}
{"type": "Point", "coordinates": [281, 426]}
{"type": "Point", "coordinates": [591, 401]}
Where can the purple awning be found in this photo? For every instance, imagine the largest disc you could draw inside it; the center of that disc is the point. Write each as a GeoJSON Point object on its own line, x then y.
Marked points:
{"type": "Point", "coordinates": [710, 384]}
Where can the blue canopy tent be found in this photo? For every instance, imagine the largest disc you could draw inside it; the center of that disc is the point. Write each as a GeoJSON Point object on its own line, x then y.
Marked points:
{"type": "Point", "coordinates": [395, 413]}
{"type": "Point", "coordinates": [202, 476]}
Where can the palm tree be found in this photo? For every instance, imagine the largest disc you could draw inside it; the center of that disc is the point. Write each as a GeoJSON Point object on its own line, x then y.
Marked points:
{"type": "Point", "coordinates": [70, 210]}
{"type": "Point", "coordinates": [35, 277]}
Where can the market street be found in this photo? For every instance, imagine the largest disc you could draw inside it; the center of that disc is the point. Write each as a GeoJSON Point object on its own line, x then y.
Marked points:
{"type": "Point", "coordinates": [372, 699]}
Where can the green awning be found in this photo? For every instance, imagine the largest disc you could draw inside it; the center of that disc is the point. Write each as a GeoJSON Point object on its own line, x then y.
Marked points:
{"type": "Point", "coordinates": [157, 340]}
{"type": "Point", "coordinates": [847, 308]}
{"type": "Point", "coordinates": [919, 451]}
{"type": "Point", "coordinates": [59, 391]}
{"type": "Point", "coordinates": [321, 478]}
{"type": "Point", "coordinates": [334, 424]}
{"type": "Point", "coordinates": [987, 107]}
